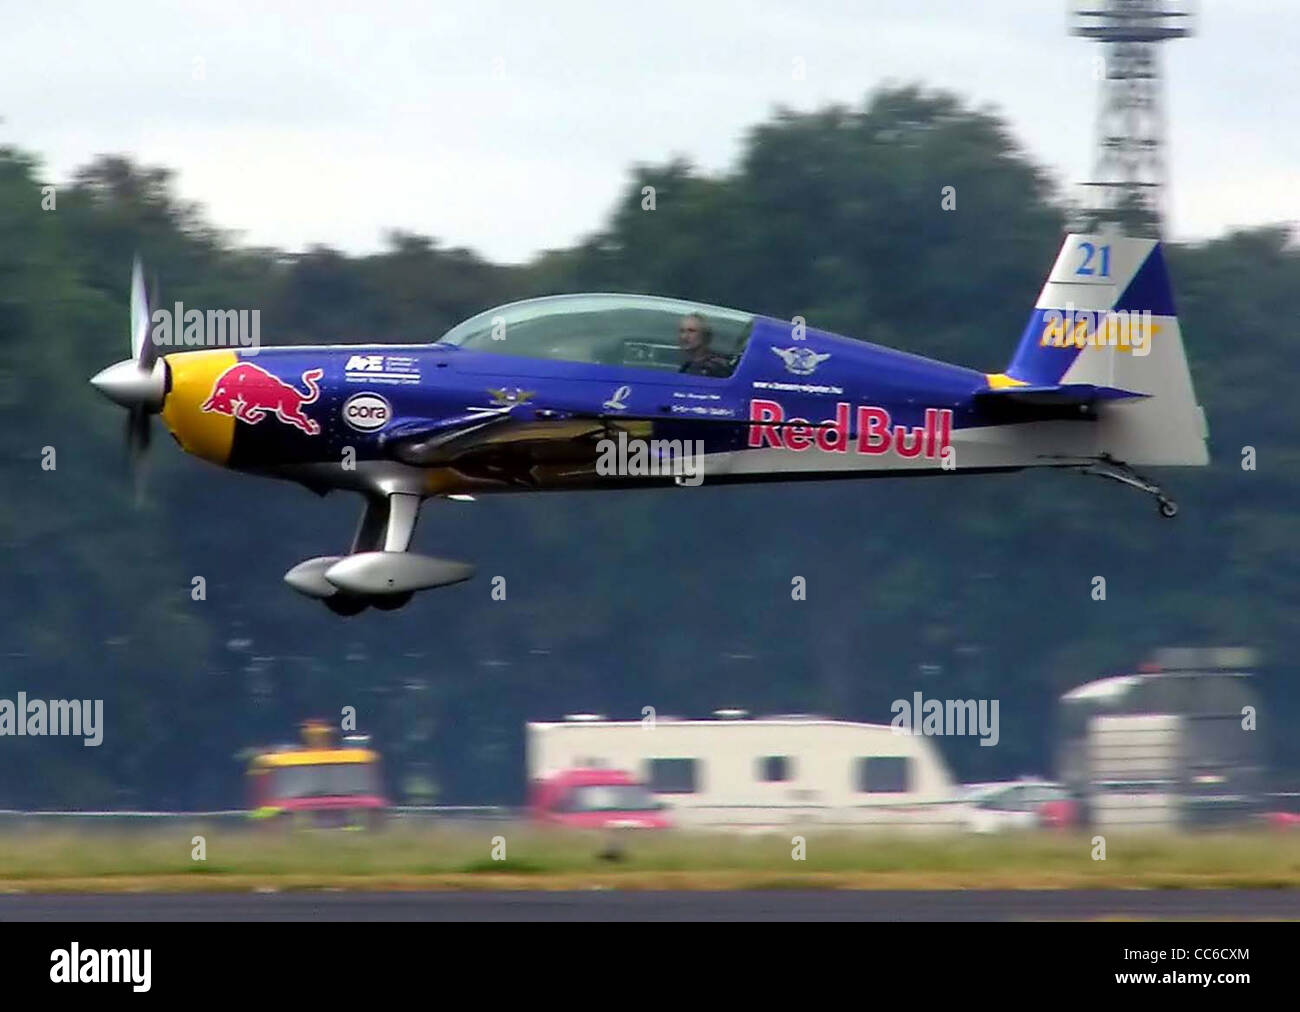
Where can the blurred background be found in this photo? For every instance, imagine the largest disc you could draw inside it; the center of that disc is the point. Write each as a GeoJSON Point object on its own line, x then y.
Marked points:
{"type": "Point", "coordinates": [381, 182]}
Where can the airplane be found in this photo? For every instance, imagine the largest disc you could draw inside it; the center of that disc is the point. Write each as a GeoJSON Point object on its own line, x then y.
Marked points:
{"type": "Point", "coordinates": [537, 395]}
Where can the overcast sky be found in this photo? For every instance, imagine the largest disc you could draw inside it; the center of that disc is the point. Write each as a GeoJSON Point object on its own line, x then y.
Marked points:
{"type": "Point", "coordinates": [509, 127]}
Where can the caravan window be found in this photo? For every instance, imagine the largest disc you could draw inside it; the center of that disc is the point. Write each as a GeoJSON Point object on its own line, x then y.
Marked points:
{"type": "Point", "coordinates": [774, 769]}
{"type": "Point", "coordinates": [879, 774]}
{"type": "Point", "coordinates": [672, 776]}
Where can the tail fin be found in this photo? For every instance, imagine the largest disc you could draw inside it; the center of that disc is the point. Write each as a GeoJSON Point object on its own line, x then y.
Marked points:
{"type": "Point", "coordinates": [1106, 318]}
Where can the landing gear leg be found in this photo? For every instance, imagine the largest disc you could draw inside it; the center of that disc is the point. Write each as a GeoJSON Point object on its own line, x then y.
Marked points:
{"type": "Point", "coordinates": [1118, 471]}
{"type": "Point", "coordinates": [380, 570]}
{"type": "Point", "coordinates": [371, 527]}
{"type": "Point", "coordinates": [387, 525]}
{"type": "Point", "coordinates": [369, 537]}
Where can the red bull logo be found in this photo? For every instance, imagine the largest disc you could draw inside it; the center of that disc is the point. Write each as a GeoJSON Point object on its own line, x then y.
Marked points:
{"type": "Point", "coordinates": [248, 392]}
{"type": "Point", "coordinates": [876, 432]}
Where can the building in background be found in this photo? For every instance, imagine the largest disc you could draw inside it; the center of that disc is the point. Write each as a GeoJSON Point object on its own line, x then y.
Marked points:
{"type": "Point", "coordinates": [1173, 746]}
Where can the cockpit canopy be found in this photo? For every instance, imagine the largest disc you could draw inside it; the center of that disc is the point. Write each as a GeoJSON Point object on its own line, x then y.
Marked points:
{"type": "Point", "coordinates": [600, 329]}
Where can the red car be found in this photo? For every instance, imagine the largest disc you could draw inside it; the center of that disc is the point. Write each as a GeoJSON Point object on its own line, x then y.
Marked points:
{"type": "Point", "coordinates": [595, 799]}
{"type": "Point", "coordinates": [1020, 804]}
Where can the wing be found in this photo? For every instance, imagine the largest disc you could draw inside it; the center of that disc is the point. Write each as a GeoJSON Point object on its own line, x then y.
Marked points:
{"type": "Point", "coordinates": [431, 442]}
{"type": "Point", "coordinates": [427, 442]}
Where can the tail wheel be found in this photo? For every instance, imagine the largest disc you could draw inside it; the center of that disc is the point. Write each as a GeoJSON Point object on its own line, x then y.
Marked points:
{"type": "Point", "coordinates": [1168, 508]}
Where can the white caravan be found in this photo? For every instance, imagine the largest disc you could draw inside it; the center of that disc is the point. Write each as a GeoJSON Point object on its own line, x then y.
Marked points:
{"type": "Point", "coordinates": [762, 773]}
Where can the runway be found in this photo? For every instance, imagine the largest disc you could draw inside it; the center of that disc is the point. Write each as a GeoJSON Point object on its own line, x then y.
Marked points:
{"type": "Point", "coordinates": [611, 905]}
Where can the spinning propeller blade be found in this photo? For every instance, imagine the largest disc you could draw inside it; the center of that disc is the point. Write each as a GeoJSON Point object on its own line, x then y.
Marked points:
{"type": "Point", "coordinates": [137, 383]}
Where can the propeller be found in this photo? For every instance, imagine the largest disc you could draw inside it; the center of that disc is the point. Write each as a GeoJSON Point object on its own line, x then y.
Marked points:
{"type": "Point", "coordinates": [138, 383]}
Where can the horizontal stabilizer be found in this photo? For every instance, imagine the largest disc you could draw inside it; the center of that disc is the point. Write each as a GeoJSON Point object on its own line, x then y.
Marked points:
{"type": "Point", "coordinates": [1058, 395]}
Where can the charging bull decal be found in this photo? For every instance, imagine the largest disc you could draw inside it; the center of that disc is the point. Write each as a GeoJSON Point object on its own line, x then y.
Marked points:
{"type": "Point", "coordinates": [248, 392]}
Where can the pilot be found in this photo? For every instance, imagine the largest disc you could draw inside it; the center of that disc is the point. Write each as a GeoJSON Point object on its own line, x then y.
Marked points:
{"type": "Point", "coordinates": [693, 337]}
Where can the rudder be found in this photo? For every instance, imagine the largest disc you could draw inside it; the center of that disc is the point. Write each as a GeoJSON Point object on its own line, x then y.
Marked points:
{"type": "Point", "coordinates": [1106, 317]}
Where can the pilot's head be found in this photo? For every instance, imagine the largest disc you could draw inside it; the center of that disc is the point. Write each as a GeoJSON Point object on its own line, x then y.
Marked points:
{"type": "Point", "coordinates": [693, 333]}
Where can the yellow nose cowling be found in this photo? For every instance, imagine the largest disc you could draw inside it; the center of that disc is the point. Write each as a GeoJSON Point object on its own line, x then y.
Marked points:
{"type": "Point", "coordinates": [206, 434]}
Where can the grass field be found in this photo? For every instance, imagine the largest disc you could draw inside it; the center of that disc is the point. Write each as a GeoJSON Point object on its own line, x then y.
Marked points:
{"type": "Point", "coordinates": [461, 857]}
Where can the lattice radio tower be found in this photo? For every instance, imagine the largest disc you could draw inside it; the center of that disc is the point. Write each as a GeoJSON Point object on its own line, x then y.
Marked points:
{"type": "Point", "coordinates": [1127, 189]}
